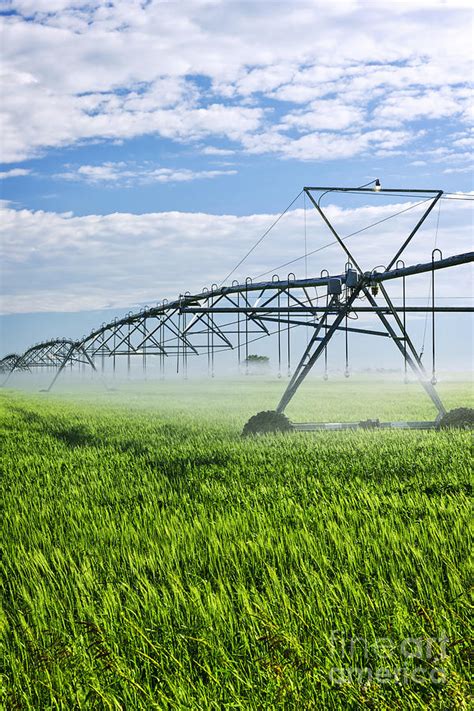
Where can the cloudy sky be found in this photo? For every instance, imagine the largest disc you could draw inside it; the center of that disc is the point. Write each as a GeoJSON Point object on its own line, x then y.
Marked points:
{"type": "Point", "coordinates": [146, 146]}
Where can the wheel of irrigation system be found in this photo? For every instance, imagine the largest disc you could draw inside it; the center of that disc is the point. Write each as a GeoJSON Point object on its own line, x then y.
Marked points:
{"type": "Point", "coordinates": [461, 418]}
{"type": "Point", "coordinates": [267, 422]}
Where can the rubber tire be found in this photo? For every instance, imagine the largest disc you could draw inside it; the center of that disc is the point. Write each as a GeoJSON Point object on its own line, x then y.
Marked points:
{"type": "Point", "coordinates": [267, 422]}
{"type": "Point", "coordinates": [460, 417]}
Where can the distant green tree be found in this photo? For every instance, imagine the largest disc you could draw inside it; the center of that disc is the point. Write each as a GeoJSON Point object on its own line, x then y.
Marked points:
{"type": "Point", "coordinates": [257, 364]}
{"type": "Point", "coordinates": [257, 360]}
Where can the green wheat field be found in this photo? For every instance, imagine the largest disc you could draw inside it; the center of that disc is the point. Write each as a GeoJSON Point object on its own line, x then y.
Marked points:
{"type": "Point", "coordinates": [151, 558]}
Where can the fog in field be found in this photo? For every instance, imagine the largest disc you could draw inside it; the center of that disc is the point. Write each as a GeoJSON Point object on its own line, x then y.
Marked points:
{"type": "Point", "coordinates": [367, 393]}
{"type": "Point", "coordinates": [375, 371]}
{"type": "Point", "coordinates": [367, 355]}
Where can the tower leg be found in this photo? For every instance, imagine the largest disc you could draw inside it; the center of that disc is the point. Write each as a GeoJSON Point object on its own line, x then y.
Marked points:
{"type": "Point", "coordinates": [65, 361]}
{"type": "Point", "coordinates": [307, 360]}
{"type": "Point", "coordinates": [413, 360]}
{"type": "Point", "coordinates": [61, 368]}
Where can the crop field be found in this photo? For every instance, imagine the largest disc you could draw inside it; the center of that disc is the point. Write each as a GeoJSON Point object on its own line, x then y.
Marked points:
{"type": "Point", "coordinates": [151, 558]}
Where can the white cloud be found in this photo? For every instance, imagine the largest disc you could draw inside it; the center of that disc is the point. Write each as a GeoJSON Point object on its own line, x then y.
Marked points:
{"type": "Point", "coordinates": [170, 175]}
{"type": "Point", "coordinates": [402, 106]}
{"type": "Point", "coordinates": [463, 169]}
{"type": "Point", "coordinates": [59, 120]}
{"type": "Point", "coordinates": [212, 70]}
{"type": "Point", "coordinates": [330, 114]}
{"type": "Point", "coordinates": [465, 141]}
{"type": "Point", "coordinates": [124, 174]}
{"type": "Point", "coordinates": [14, 173]}
{"type": "Point", "coordinates": [325, 145]}
{"type": "Point", "coordinates": [213, 151]}
{"type": "Point", "coordinates": [61, 262]}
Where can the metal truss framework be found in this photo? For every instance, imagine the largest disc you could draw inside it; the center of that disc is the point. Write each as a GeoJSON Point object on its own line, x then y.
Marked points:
{"type": "Point", "coordinates": [232, 317]}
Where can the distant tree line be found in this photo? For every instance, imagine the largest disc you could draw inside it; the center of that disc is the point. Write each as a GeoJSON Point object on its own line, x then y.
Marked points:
{"type": "Point", "coordinates": [257, 360]}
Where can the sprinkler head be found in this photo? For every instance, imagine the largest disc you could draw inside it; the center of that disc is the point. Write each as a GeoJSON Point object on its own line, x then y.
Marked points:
{"type": "Point", "coordinates": [325, 376]}
{"type": "Point", "coordinates": [346, 374]}
{"type": "Point", "coordinates": [434, 380]}
{"type": "Point", "coordinates": [374, 289]}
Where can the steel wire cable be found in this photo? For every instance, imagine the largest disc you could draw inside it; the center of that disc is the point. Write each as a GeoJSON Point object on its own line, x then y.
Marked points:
{"type": "Point", "coordinates": [352, 234]}
{"type": "Point", "coordinates": [260, 239]}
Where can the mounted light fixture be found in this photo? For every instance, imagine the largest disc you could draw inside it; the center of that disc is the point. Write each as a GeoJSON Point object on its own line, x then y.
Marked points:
{"type": "Point", "coordinates": [376, 183]}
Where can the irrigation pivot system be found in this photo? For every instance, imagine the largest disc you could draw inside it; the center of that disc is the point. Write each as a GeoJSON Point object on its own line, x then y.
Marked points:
{"type": "Point", "coordinates": [233, 316]}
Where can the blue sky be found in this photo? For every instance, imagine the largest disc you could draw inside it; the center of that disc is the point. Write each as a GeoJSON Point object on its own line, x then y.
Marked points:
{"type": "Point", "coordinates": [147, 145]}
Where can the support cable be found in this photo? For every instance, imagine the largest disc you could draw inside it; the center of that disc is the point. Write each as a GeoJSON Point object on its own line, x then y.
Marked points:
{"type": "Point", "coordinates": [352, 234]}
{"type": "Point", "coordinates": [261, 239]}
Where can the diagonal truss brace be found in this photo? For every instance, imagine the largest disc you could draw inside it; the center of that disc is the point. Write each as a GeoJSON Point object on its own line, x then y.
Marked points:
{"type": "Point", "coordinates": [308, 359]}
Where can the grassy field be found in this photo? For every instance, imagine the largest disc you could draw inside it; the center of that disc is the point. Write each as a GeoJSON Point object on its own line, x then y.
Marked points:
{"type": "Point", "coordinates": [152, 558]}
